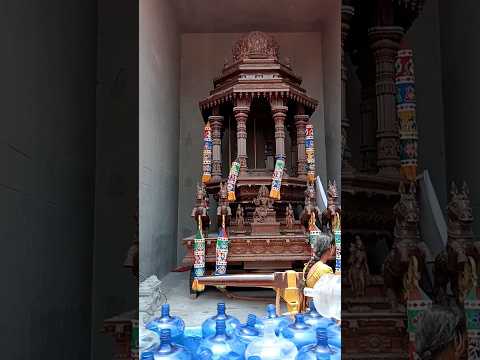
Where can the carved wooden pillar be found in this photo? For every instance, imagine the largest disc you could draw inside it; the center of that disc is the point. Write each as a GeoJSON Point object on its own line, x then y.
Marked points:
{"type": "Point", "coordinates": [384, 41]}
{"type": "Point", "coordinates": [240, 112]}
{"type": "Point", "coordinates": [300, 123]}
{"type": "Point", "coordinates": [368, 144]}
{"type": "Point", "coordinates": [293, 150]}
{"type": "Point", "coordinates": [279, 116]}
{"type": "Point", "coordinates": [216, 122]}
{"type": "Point", "coordinates": [347, 14]}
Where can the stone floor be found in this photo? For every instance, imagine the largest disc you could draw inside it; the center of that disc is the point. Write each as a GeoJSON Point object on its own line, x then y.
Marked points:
{"type": "Point", "coordinates": [175, 286]}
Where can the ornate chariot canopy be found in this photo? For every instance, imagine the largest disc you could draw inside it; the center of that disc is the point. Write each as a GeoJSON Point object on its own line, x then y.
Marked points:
{"type": "Point", "coordinates": [257, 71]}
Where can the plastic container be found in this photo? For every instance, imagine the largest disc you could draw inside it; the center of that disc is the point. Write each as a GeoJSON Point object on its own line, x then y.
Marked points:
{"type": "Point", "coordinates": [313, 317]}
{"type": "Point", "coordinates": [320, 350]}
{"type": "Point", "coordinates": [167, 350]}
{"type": "Point", "coordinates": [192, 337]}
{"type": "Point", "coordinates": [326, 296]}
{"type": "Point", "coordinates": [271, 347]}
{"type": "Point", "coordinates": [300, 333]}
{"type": "Point", "coordinates": [334, 334]}
{"type": "Point", "coordinates": [209, 325]}
{"type": "Point", "coordinates": [148, 341]}
{"type": "Point", "coordinates": [247, 332]}
{"type": "Point", "coordinates": [221, 345]}
{"type": "Point", "coordinates": [272, 319]}
{"type": "Point", "coordinates": [166, 321]}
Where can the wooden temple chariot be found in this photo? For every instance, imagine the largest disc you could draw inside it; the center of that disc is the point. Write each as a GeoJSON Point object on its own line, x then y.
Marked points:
{"type": "Point", "coordinates": [258, 113]}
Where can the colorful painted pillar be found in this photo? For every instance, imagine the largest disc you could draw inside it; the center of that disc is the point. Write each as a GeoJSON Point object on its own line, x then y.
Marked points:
{"type": "Point", "coordinates": [406, 113]}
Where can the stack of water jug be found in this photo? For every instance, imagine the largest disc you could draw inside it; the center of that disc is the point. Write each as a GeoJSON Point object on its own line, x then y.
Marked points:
{"type": "Point", "coordinates": [223, 337]}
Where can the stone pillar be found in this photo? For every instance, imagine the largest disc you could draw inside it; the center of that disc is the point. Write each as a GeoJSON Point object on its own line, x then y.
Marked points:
{"type": "Point", "coordinates": [279, 116]}
{"type": "Point", "coordinates": [216, 122]}
{"type": "Point", "coordinates": [241, 115]}
{"type": "Point", "coordinates": [368, 144]}
{"type": "Point", "coordinates": [347, 14]}
{"type": "Point", "coordinates": [300, 123]}
{"type": "Point", "coordinates": [384, 42]}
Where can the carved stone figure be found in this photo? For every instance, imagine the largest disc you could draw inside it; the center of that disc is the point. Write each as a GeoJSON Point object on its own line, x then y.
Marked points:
{"type": "Point", "coordinates": [332, 208]}
{"type": "Point", "coordinates": [461, 249]}
{"type": "Point", "coordinates": [223, 207]}
{"type": "Point", "coordinates": [264, 205]}
{"type": "Point", "coordinates": [289, 217]}
{"type": "Point", "coordinates": [310, 206]}
{"type": "Point", "coordinates": [406, 245]}
{"type": "Point", "coordinates": [240, 219]}
{"type": "Point", "coordinates": [359, 268]}
{"type": "Point", "coordinates": [201, 207]}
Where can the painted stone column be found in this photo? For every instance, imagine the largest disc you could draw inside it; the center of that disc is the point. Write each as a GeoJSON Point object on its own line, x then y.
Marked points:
{"type": "Point", "coordinates": [347, 14]}
{"type": "Point", "coordinates": [216, 122]}
{"type": "Point", "coordinates": [279, 116]}
{"type": "Point", "coordinates": [241, 115]}
{"type": "Point", "coordinates": [384, 41]}
{"type": "Point", "coordinates": [300, 123]}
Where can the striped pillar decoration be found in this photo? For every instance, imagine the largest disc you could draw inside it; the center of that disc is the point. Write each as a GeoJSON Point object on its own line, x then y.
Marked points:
{"type": "Point", "coordinates": [207, 153]}
{"type": "Point", "coordinates": [232, 180]}
{"type": "Point", "coordinates": [406, 113]}
{"type": "Point", "coordinates": [337, 233]}
{"type": "Point", "coordinates": [310, 153]}
{"type": "Point", "coordinates": [221, 250]}
{"type": "Point", "coordinates": [277, 179]}
{"type": "Point", "coordinates": [199, 251]}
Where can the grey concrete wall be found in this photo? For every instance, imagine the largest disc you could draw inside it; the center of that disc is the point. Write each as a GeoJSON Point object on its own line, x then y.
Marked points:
{"type": "Point", "coordinates": [47, 159]}
{"type": "Point", "coordinates": [331, 56]}
{"type": "Point", "coordinates": [116, 187]}
{"type": "Point", "coordinates": [202, 58]}
{"type": "Point", "coordinates": [424, 39]}
{"type": "Point", "coordinates": [459, 24]}
{"type": "Point", "coordinates": [159, 133]}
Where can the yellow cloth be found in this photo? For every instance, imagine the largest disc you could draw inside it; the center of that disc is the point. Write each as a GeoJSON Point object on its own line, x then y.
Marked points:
{"type": "Point", "coordinates": [316, 272]}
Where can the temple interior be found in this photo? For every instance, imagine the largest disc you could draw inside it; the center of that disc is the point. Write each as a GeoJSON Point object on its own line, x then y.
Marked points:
{"type": "Point", "coordinates": [70, 179]}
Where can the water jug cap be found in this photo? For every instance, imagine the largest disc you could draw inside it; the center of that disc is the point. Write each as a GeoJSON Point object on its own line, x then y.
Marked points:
{"type": "Point", "coordinates": [165, 310]}
{"type": "Point", "coordinates": [251, 320]}
{"type": "Point", "coordinates": [221, 308]}
{"type": "Point", "coordinates": [299, 318]}
{"type": "Point", "coordinates": [271, 310]}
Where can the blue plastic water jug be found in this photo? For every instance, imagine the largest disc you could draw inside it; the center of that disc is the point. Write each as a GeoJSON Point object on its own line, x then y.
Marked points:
{"type": "Point", "coordinates": [209, 325]}
{"type": "Point", "coordinates": [166, 321]}
{"type": "Point", "coordinates": [192, 336]}
{"type": "Point", "coordinates": [247, 332]}
{"type": "Point", "coordinates": [272, 319]}
{"type": "Point", "coordinates": [334, 334]}
{"type": "Point", "coordinates": [167, 350]}
{"type": "Point", "coordinates": [312, 317]}
{"type": "Point", "coordinates": [270, 347]}
{"type": "Point", "coordinates": [300, 333]}
{"type": "Point", "coordinates": [222, 345]}
{"type": "Point", "coordinates": [321, 350]}
{"type": "Point", "coordinates": [148, 341]}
